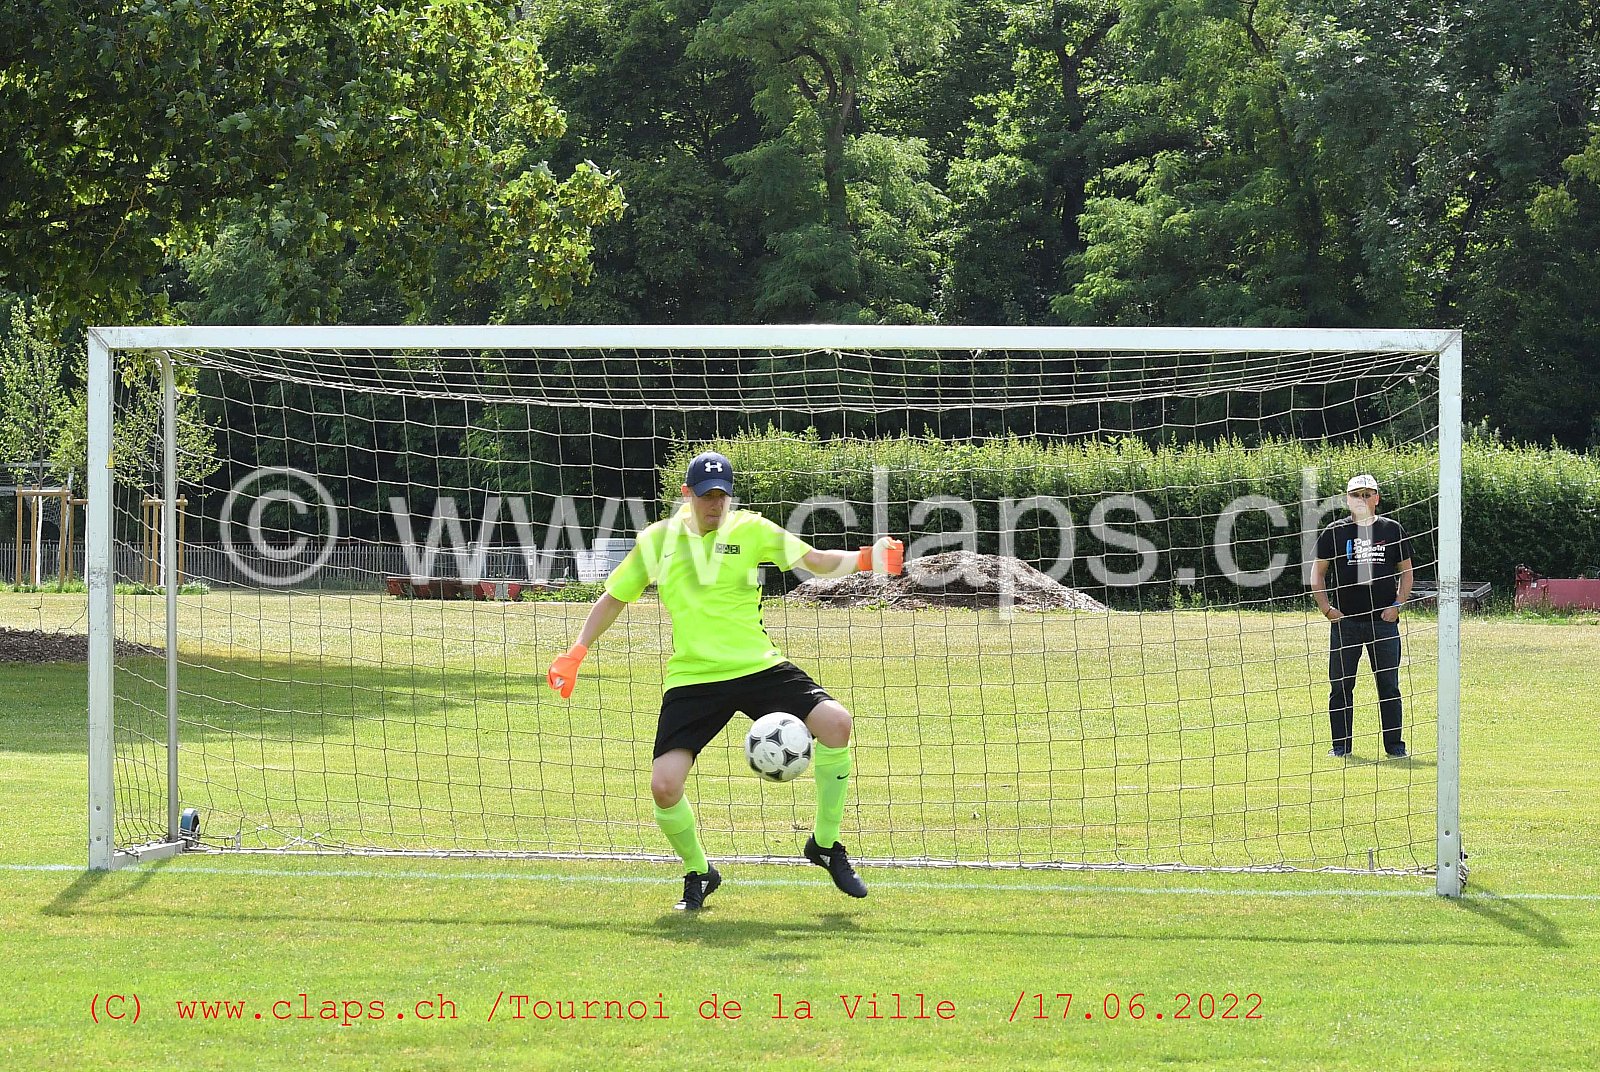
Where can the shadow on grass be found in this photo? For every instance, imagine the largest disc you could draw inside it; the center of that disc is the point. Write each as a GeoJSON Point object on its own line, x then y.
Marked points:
{"type": "Point", "coordinates": [705, 928]}
{"type": "Point", "coordinates": [1513, 916]}
{"type": "Point", "coordinates": [1403, 763]}
{"type": "Point", "coordinates": [276, 700]}
{"type": "Point", "coordinates": [67, 903]}
{"type": "Point", "coordinates": [724, 927]}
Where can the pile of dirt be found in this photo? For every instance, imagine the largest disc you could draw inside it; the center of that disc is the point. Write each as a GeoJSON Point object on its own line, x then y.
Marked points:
{"type": "Point", "coordinates": [37, 646]}
{"type": "Point", "coordinates": [950, 579]}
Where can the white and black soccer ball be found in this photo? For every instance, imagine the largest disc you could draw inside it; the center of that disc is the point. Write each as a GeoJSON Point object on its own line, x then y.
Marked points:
{"type": "Point", "coordinates": [778, 747]}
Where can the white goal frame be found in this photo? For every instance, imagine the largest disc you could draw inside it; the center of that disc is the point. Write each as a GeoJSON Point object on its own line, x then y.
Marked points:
{"type": "Point", "coordinates": [105, 342]}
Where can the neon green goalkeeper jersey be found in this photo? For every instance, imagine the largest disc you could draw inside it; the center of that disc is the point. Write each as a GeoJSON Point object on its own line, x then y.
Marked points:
{"type": "Point", "coordinates": [711, 587]}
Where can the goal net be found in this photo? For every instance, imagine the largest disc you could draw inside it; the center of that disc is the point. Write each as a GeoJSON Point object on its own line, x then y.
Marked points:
{"type": "Point", "coordinates": [368, 543]}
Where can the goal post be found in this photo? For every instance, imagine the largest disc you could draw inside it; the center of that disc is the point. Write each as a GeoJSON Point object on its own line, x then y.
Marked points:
{"type": "Point", "coordinates": [1449, 871]}
{"type": "Point", "coordinates": [101, 581]}
{"type": "Point", "coordinates": [313, 693]}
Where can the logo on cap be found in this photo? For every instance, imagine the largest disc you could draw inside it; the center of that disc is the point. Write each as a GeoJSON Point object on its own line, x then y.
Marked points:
{"type": "Point", "coordinates": [710, 472]}
{"type": "Point", "coordinates": [1362, 482]}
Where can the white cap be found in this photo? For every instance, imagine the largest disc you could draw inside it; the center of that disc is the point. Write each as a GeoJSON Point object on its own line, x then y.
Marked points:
{"type": "Point", "coordinates": [1363, 482]}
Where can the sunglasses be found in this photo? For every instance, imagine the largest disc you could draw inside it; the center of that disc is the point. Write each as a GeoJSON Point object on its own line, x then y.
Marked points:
{"type": "Point", "coordinates": [1363, 494]}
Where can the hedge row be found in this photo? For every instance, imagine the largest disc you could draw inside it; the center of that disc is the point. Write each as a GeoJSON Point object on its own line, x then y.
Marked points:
{"type": "Point", "coordinates": [1520, 504]}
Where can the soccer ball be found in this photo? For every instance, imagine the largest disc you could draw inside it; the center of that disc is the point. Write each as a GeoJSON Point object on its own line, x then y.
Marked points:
{"type": "Point", "coordinates": [778, 747]}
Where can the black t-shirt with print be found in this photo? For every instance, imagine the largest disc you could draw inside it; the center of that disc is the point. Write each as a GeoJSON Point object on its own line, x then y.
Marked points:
{"type": "Point", "coordinates": [1365, 576]}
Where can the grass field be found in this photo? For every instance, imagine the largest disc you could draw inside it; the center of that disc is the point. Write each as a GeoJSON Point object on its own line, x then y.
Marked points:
{"type": "Point", "coordinates": [1352, 971]}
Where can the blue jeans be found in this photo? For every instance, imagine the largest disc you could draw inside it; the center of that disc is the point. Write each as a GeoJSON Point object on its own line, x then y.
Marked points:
{"type": "Point", "coordinates": [1381, 639]}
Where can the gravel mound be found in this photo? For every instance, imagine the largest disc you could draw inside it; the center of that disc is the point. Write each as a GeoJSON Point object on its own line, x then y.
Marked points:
{"type": "Point", "coordinates": [949, 579]}
{"type": "Point", "coordinates": [35, 646]}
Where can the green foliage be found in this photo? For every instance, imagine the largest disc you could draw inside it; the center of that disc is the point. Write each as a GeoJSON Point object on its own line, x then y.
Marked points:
{"type": "Point", "coordinates": [35, 410]}
{"type": "Point", "coordinates": [1020, 181]}
{"type": "Point", "coordinates": [405, 140]}
{"type": "Point", "coordinates": [665, 121]}
{"type": "Point", "coordinates": [57, 586]}
{"type": "Point", "coordinates": [1374, 164]}
{"type": "Point", "coordinates": [576, 592]}
{"type": "Point", "coordinates": [1538, 506]}
{"type": "Point", "coordinates": [1244, 162]}
{"type": "Point", "coordinates": [137, 429]}
{"type": "Point", "coordinates": [847, 211]}
{"type": "Point", "coordinates": [140, 588]}
{"type": "Point", "coordinates": [44, 408]}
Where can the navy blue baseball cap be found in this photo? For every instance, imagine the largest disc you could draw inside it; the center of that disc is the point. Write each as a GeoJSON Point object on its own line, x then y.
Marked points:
{"type": "Point", "coordinates": [710, 472]}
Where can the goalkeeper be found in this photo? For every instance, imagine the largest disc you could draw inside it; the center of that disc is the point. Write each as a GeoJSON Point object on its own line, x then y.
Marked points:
{"type": "Point", "coordinates": [704, 561]}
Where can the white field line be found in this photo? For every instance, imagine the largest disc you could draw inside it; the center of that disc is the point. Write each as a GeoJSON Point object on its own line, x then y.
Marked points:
{"type": "Point", "coordinates": [891, 884]}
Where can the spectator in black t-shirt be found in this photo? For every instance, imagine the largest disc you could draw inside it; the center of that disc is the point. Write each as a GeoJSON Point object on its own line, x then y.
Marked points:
{"type": "Point", "coordinates": [1371, 559]}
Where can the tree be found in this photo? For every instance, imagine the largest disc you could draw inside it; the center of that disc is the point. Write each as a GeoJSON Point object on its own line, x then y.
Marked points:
{"type": "Point", "coordinates": [1204, 213]}
{"type": "Point", "coordinates": [1455, 131]}
{"type": "Point", "coordinates": [135, 133]}
{"type": "Point", "coordinates": [34, 407]}
{"type": "Point", "coordinates": [1021, 182]}
{"type": "Point", "coordinates": [848, 212]}
{"type": "Point", "coordinates": [664, 120]}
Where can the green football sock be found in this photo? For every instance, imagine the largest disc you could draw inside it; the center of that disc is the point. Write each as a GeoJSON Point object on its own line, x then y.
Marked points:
{"type": "Point", "coordinates": [677, 822]}
{"type": "Point", "coordinates": [833, 782]}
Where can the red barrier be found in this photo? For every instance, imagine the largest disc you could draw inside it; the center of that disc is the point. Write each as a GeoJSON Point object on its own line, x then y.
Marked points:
{"type": "Point", "coordinates": [443, 588]}
{"type": "Point", "coordinates": [1555, 593]}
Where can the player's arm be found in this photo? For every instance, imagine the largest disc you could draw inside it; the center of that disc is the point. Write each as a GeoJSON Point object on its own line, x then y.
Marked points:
{"type": "Point", "coordinates": [1402, 594]}
{"type": "Point", "coordinates": [626, 583]}
{"type": "Point", "coordinates": [886, 556]}
{"type": "Point", "coordinates": [606, 610]}
{"type": "Point", "coordinates": [1319, 588]}
{"type": "Point", "coordinates": [563, 673]}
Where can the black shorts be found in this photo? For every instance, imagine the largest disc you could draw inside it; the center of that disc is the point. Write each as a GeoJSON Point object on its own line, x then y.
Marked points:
{"type": "Point", "coordinates": [692, 715]}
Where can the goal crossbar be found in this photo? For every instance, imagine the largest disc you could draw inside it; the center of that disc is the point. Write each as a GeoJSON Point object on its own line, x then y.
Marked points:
{"type": "Point", "coordinates": [778, 336]}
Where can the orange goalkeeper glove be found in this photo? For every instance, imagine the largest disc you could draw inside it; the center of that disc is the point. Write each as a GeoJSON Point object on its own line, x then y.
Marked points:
{"type": "Point", "coordinates": [888, 555]}
{"type": "Point", "coordinates": [564, 671]}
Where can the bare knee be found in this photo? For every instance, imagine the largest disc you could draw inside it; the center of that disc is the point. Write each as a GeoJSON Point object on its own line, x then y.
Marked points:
{"type": "Point", "coordinates": [668, 775]}
{"type": "Point", "coordinates": [830, 723]}
{"type": "Point", "coordinates": [667, 789]}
